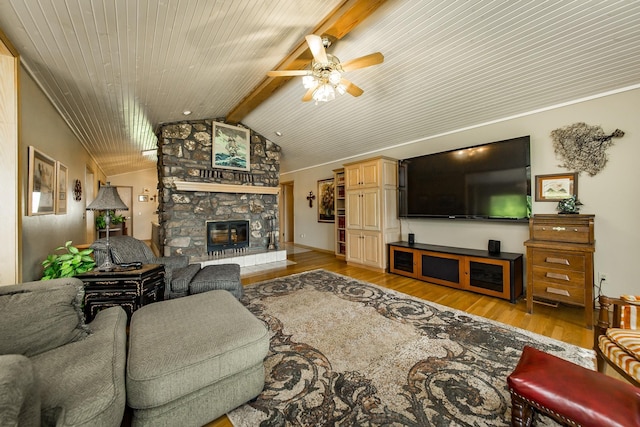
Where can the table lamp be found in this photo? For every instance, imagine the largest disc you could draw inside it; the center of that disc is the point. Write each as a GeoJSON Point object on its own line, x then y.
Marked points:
{"type": "Point", "coordinates": [108, 200]}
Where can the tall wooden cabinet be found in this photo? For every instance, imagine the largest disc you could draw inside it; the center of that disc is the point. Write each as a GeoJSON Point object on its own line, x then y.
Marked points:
{"type": "Point", "coordinates": [371, 210]}
{"type": "Point", "coordinates": [560, 261]}
{"type": "Point", "coordinates": [340, 210]}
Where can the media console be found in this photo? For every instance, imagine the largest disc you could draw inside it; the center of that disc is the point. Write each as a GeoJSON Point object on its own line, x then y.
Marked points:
{"type": "Point", "coordinates": [499, 275]}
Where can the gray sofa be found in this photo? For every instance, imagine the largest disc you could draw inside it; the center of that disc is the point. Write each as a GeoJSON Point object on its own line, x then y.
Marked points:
{"type": "Point", "coordinates": [54, 368]}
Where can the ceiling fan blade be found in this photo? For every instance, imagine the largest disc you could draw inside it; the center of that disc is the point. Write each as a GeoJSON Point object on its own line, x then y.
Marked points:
{"type": "Point", "coordinates": [363, 61]}
{"type": "Point", "coordinates": [285, 73]}
{"type": "Point", "coordinates": [352, 89]}
{"type": "Point", "coordinates": [317, 48]}
{"type": "Point", "coordinates": [308, 96]}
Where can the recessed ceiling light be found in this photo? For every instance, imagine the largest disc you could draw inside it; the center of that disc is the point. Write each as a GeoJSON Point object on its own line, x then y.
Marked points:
{"type": "Point", "coordinates": [186, 112]}
{"type": "Point", "coordinates": [278, 133]}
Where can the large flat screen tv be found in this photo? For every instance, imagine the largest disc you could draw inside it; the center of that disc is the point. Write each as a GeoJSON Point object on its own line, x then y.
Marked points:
{"type": "Point", "coordinates": [487, 182]}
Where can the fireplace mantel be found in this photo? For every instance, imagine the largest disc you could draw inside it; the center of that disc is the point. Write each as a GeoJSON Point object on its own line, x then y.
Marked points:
{"type": "Point", "coordinates": [224, 188]}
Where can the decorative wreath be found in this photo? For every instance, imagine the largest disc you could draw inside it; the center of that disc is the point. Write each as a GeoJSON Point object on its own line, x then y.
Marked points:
{"type": "Point", "coordinates": [77, 190]}
{"type": "Point", "coordinates": [582, 148]}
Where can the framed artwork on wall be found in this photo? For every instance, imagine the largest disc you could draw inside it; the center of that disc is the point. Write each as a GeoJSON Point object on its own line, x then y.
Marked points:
{"type": "Point", "coordinates": [61, 186]}
{"type": "Point", "coordinates": [326, 203]}
{"type": "Point", "coordinates": [231, 147]}
{"type": "Point", "coordinates": [555, 187]}
{"type": "Point", "coordinates": [42, 183]}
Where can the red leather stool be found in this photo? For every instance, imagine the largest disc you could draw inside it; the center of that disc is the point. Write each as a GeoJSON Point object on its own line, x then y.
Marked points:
{"type": "Point", "coordinates": [569, 393]}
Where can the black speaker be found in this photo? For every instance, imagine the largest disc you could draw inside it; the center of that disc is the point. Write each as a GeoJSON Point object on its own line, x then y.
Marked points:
{"type": "Point", "coordinates": [494, 247]}
{"type": "Point", "coordinates": [412, 238]}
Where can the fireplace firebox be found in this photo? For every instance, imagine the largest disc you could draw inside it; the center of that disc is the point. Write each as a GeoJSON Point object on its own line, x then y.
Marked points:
{"type": "Point", "coordinates": [222, 235]}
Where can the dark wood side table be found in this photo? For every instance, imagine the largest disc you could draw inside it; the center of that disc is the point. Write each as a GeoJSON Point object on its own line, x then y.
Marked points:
{"type": "Point", "coordinates": [127, 288]}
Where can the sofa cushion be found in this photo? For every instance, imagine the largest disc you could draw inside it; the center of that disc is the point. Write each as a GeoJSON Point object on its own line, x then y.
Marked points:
{"type": "Point", "coordinates": [619, 357]}
{"type": "Point", "coordinates": [628, 339]}
{"type": "Point", "coordinates": [53, 310]}
{"type": "Point", "coordinates": [182, 277]}
{"type": "Point", "coordinates": [82, 383]}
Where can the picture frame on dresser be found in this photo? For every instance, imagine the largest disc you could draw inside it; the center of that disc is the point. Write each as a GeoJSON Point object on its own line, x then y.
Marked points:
{"type": "Point", "coordinates": [556, 187]}
{"type": "Point", "coordinates": [326, 202]}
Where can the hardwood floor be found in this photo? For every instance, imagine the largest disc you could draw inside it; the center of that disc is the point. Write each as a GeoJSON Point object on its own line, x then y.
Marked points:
{"type": "Point", "coordinates": [564, 323]}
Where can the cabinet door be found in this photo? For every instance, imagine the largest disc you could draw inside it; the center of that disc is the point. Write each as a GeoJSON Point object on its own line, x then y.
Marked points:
{"type": "Point", "coordinates": [442, 268]}
{"type": "Point", "coordinates": [372, 249]}
{"type": "Point", "coordinates": [403, 261]}
{"type": "Point", "coordinates": [354, 246]}
{"type": "Point", "coordinates": [369, 174]}
{"type": "Point", "coordinates": [488, 276]}
{"type": "Point", "coordinates": [370, 202]}
{"type": "Point", "coordinates": [354, 210]}
{"type": "Point", "coordinates": [352, 177]}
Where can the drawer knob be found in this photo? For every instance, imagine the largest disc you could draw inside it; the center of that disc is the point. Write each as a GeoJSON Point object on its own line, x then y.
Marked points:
{"type": "Point", "coordinates": [564, 292]}
{"type": "Point", "coordinates": [557, 261]}
{"type": "Point", "coordinates": [557, 276]}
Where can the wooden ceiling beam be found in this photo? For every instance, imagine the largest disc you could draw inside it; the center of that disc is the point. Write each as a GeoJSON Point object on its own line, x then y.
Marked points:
{"type": "Point", "coordinates": [344, 18]}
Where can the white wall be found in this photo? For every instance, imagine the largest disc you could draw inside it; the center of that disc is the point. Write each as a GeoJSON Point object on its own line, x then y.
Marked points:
{"type": "Point", "coordinates": [611, 195]}
{"type": "Point", "coordinates": [143, 213]}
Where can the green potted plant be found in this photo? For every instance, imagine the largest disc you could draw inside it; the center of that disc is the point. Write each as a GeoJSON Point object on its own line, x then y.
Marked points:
{"type": "Point", "coordinates": [101, 224]}
{"type": "Point", "coordinates": [70, 263]}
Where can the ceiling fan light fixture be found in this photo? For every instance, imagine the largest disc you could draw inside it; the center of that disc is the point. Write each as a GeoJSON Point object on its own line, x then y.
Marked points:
{"type": "Point", "coordinates": [324, 93]}
{"type": "Point", "coordinates": [341, 89]}
{"type": "Point", "coordinates": [309, 82]}
{"type": "Point", "coordinates": [334, 77]}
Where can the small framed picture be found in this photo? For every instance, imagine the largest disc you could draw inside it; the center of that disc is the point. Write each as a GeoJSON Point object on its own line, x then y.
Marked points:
{"type": "Point", "coordinates": [61, 185]}
{"type": "Point", "coordinates": [42, 183]}
{"type": "Point", "coordinates": [326, 204]}
{"type": "Point", "coordinates": [555, 187]}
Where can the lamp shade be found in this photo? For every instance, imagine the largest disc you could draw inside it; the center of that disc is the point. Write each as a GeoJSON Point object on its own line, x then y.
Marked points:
{"type": "Point", "coordinates": [108, 199]}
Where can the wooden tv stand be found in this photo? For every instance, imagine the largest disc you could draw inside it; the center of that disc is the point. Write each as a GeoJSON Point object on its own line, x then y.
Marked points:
{"type": "Point", "coordinates": [499, 275]}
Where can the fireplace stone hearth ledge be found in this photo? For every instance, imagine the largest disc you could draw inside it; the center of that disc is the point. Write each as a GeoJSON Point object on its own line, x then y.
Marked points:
{"type": "Point", "coordinates": [245, 258]}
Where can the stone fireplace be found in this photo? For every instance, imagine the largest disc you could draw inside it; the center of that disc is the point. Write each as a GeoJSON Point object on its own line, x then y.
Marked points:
{"type": "Point", "coordinates": [193, 194]}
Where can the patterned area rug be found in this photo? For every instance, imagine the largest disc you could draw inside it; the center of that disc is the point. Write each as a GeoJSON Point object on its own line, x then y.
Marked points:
{"type": "Point", "coordinates": [345, 352]}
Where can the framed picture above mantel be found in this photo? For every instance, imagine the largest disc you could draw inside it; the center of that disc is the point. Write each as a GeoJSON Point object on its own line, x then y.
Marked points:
{"type": "Point", "coordinates": [556, 187]}
{"type": "Point", "coordinates": [231, 147]}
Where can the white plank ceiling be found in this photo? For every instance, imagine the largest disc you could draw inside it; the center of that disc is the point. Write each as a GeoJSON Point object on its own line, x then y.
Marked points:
{"type": "Point", "coordinates": [115, 69]}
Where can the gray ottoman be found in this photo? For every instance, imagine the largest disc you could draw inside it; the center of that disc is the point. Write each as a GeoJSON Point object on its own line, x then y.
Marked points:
{"type": "Point", "coordinates": [193, 359]}
{"type": "Point", "coordinates": [214, 277]}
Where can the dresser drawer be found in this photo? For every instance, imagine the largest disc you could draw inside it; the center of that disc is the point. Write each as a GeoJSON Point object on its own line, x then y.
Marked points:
{"type": "Point", "coordinates": [558, 260]}
{"type": "Point", "coordinates": [571, 233]}
{"type": "Point", "coordinates": [560, 277]}
{"type": "Point", "coordinates": [560, 293]}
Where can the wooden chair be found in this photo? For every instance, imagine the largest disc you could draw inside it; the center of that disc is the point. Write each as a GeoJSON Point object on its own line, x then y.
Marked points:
{"type": "Point", "coordinates": [616, 339]}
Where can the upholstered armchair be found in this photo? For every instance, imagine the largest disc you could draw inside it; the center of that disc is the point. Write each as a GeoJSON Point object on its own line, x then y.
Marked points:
{"type": "Point", "coordinates": [616, 337]}
{"type": "Point", "coordinates": [127, 249]}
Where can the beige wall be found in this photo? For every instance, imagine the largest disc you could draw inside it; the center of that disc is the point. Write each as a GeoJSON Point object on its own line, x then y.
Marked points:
{"type": "Point", "coordinates": [143, 213]}
{"type": "Point", "coordinates": [611, 195]}
{"type": "Point", "coordinates": [43, 128]}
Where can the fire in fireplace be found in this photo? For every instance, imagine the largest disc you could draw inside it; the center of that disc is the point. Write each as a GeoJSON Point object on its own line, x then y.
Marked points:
{"type": "Point", "coordinates": [223, 235]}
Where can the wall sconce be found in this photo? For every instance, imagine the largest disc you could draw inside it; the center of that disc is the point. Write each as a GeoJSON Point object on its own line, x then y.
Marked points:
{"type": "Point", "coordinates": [311, 198]}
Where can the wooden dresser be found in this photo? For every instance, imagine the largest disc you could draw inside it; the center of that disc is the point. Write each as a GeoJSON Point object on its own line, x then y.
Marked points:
{"type": "Point", "coordinates": [560, 261]}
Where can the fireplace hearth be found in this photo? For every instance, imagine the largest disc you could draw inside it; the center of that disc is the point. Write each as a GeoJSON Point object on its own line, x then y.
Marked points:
{"type": "Point", "coordinates": [225, 235]}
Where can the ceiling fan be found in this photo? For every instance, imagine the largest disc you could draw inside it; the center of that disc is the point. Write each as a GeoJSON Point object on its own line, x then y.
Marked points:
{"type": "Point", "coordinates": [324, 79]}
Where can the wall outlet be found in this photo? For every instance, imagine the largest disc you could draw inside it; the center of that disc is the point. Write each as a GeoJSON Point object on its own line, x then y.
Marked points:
{"type": "Point", "coordinates": [602, 277]}
{"type": "Point", "coordinates": [302, 235]}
